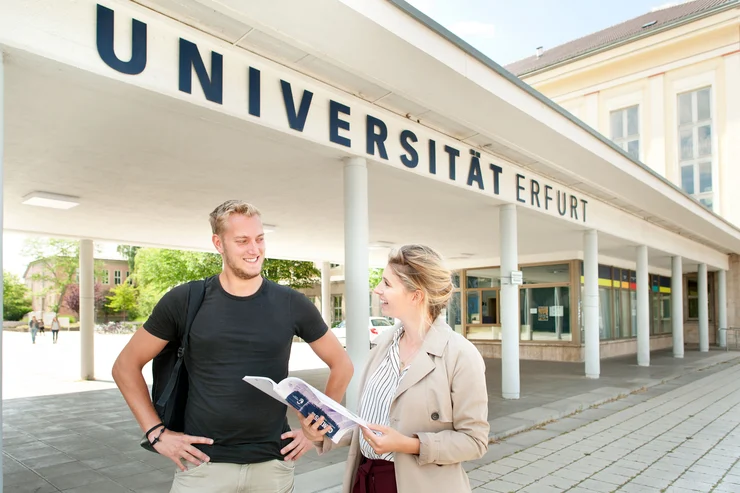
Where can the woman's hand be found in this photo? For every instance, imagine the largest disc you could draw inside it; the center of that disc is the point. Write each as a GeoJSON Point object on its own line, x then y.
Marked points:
{"type": "Point", "coordinates": [310, 426]}
{"type": "Point", "coordinates": [390, 440]}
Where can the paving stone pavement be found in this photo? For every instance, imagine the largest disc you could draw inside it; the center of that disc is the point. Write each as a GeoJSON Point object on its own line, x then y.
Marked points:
{"type": "Point", "coordinates": [681, 440]}
{"type": "Point", "coordinates": [88, 441]}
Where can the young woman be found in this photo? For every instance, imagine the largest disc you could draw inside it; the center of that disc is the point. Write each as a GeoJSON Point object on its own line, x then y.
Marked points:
{"type": "Point", "coordinates": [424, 389]}
{"type": "Point", "coordinates": [33, 328]}
{"type": "Point", "coordinates": [55, 329]}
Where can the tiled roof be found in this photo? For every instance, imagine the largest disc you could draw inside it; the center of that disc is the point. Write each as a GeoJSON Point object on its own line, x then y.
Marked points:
{"type": "Point", "coordinates": [652, 21]}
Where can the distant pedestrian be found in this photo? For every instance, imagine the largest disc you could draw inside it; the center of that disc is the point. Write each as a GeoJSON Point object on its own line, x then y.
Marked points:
{"type": "Point", "coordinates": [55, 329]}
{"type": "Point", "coordinates": [41, 325]}
{"type": "Point", "coordinates": [33, 328]}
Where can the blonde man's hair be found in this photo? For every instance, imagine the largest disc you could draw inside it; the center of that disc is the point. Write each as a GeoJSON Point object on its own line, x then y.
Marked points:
{"type": "Point", "coordinates": [221, 214]}
{"type": "Point", "coordinates": [421, 268]}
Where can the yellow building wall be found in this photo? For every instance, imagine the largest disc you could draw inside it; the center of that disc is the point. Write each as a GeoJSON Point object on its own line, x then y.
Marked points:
{"type": "Point", "coordinates": [591, 92]}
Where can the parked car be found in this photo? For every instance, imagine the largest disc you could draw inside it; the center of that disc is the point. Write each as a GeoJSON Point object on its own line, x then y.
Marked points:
{"type": "Point", "coordinates": [375, 327]}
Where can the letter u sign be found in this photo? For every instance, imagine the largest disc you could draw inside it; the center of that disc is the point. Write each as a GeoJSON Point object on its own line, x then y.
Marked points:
{"type": "Point", "coordinates": [106, 50]}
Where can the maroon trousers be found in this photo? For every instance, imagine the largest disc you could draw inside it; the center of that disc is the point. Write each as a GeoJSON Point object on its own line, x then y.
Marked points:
{"type": "Point", "coordinates": [375, 476]}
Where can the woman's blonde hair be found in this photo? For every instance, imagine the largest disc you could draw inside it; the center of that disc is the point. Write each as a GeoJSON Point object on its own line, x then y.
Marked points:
{"type": "Point", "coordinates": [422, 268]}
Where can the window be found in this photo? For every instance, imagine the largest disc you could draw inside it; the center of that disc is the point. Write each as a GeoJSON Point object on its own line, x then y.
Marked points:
{"type": "Point", "coordinates": [482, 310]}
{"type": "Point", "coordinates": [621, 296]}
{"type": "Point", "coordinates": [545, 313]}
{"type": "Point", "coordinates": [605, 313]}
{"type": "Point", "coordinates": [337, 313]}
{"type": "Point", "coordinates": [454, 312]}
{"type": "Point", "coordinates": [546, 274]}
{"type": "Point", "coordinates": [692, 294]}
{"type": "Point", "coordinates": [105, 278]}
{"type": "Point", "coordinates": [625, 129]}
{"type": "Point", "coordinates": [691, 297]}
{"type": "Point", "coordinates": [117, 277]}
{"type": "Point", "coordinates": [695, 144]}
{"type": "Point", "coordinates": [618, 303]}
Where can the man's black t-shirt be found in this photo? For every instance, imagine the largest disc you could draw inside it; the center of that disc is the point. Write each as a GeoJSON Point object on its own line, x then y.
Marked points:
{"type": "Point", "coordinates": [232, 337]}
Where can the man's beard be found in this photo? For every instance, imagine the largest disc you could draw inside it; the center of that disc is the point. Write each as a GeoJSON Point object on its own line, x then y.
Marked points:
{"type": "Point", "coordinates": [241, 273]}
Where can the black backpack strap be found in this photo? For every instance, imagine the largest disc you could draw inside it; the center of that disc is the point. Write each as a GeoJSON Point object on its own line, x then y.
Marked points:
{"type": "Point", "coordinates": [195, 299]}
{"type": "Point", "coordinates": [196, 294]}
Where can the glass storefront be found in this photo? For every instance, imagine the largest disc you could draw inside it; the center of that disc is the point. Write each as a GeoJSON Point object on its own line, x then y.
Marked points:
{"type": "Point", "coordinates": [544, 304]}
{"type": "Point", "coordinates": [546, 298]}
{"type": "Point", "coordinates": [618, 303]}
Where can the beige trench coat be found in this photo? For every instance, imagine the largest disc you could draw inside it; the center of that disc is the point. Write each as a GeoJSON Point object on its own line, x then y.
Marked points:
{"type": "Point", "coordinates": [443, 401]}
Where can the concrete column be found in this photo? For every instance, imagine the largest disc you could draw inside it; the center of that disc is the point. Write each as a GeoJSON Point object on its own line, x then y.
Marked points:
{"type": "Point", "coordinates": [703, 309]}
{"type": "Point", "coordinates": [326, 308]}
{"type": "Point", "coordinates": [509, 303]}
{"type": "Point", "coordinates": [87, 311]}
{"type": "Point", "coordinates": [677, 305]}
{"type": "Point", "coordinates": [643, 307]}
{"type": "Point", "coordinates": [356, 264]}
{"type": "Point", "coordinates": [2, 133]}
{"type": "Point", "coordinates": [591, 302]}
{"type": "Point", "coordinates": [656, 108]}
{"type": "Point", "coordinates": [722, 301]}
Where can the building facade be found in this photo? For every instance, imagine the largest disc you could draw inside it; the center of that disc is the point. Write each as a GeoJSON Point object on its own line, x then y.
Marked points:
{"type": "Point", "coordinates": [665, 87]}
{"type": "Point", "coordinates": [109, 274]}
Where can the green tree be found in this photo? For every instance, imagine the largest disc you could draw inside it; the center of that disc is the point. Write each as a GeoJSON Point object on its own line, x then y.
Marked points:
{"type": "Point", "coordinates": [148, 298]}
{"type": "Point", "coordinates": [294, 273]}
{"type": "Point", "coordinates": [129, 251]}
{"type": "Point", "coordinates": [123, 299]}
{"type": "Point", "coordinates": [163, 269]}
{"type": "Point", "coordinates": [59, 260]}
{"type": "Point", "coordinates": [376, 275]}
{"type": "Point", "coordinates": [16, 300]}
{"type": "Point", "coordinates": [159, 270]}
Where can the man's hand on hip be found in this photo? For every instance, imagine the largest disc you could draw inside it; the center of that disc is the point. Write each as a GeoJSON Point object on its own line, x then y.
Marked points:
{"type": "Point", "coordinates": [299, 446]}
{"type": "Point", "coordinates": [178, 447]}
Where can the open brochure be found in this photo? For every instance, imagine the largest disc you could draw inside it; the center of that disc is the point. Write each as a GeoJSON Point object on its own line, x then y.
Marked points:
{"type": "Point", "coordinates": [306, 400]}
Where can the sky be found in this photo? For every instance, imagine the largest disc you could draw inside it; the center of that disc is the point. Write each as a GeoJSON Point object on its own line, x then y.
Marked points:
{"type": "Point", "coordinates": [509, 30]}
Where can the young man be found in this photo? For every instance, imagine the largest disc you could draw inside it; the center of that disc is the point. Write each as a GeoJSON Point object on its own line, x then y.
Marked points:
{"type": "Point", "coordinates": [236, 437]}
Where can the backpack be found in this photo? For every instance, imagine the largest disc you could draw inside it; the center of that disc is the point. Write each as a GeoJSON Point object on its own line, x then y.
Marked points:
{"type": "Point", "coordinates": [169, 374]}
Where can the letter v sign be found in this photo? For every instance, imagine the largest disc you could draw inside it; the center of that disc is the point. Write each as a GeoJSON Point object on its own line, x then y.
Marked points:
{"type": "Point", "coordinates": [296, 120]}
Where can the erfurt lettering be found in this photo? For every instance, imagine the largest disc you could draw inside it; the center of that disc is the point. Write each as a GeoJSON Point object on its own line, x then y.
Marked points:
{"type": "Point", "coordinates": [547, 198]}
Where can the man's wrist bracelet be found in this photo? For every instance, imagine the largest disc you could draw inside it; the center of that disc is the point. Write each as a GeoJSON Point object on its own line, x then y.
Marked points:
{"type": "Point", "coordinates": [158, 425]}
{"type": "Point", "coordinates": [154, 442]}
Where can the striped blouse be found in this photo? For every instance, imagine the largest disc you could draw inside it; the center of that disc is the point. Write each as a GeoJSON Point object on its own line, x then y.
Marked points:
{"type": "Point", "coordinates": [375, 405]}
